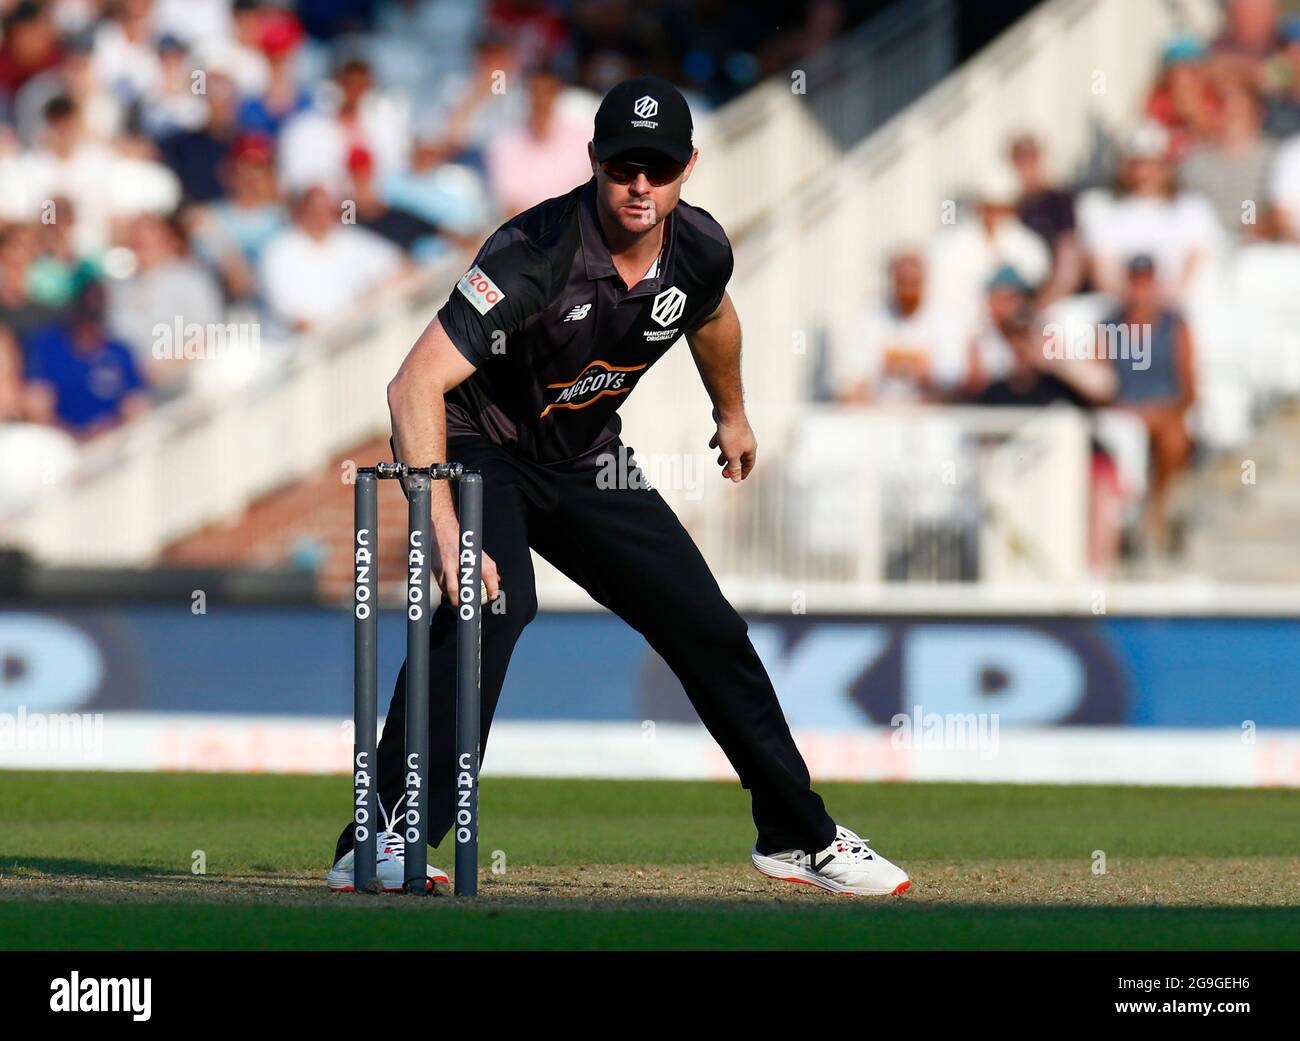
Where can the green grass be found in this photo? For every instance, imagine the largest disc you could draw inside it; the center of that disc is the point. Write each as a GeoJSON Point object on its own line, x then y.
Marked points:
{"type": "Point", "coordinates": [131, 827]}
{"type": "Point", "coordinates": [212, 927]}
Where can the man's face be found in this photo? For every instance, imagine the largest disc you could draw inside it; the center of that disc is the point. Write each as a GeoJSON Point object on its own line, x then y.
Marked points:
{"type": "Point", "coordinates": [316, 214]}
{"type": "Point", "coordinates": [909, 282]}
{"type": "Point", "coordinates": [1142, 291]}
{"type": "Point", "coordinates": [624, 191]}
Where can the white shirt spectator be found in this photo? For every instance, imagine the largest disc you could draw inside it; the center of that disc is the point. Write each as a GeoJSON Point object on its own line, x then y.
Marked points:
{"type": "Point", "coordinates": [314, 146]}
{"type": "Point", "coordinates": [965, 257]}
{"type": "Point", "coordinates": [310, 280]}
{"type": "Point", "coordinates": [1171, 231]}
{"type": "Point", "coordinates": [101, 185]}
{"type": "Point", "coordinates": [194, 21]}
{"type": "Point", "coordinates": [887, 338]}
{"type": "Point", "coordinates": [124, 64]}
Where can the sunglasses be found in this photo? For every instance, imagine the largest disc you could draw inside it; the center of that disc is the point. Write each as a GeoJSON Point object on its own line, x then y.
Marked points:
{"type": "Point", "coordinates": [658, 171]}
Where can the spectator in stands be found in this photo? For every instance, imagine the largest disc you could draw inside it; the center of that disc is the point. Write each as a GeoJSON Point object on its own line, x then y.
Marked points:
{"type": "Point", "coordinates": [1146, 213]}
{"type": "Point", "coordinates": [239, 52]}
{"type": "Point", "coordinates": [167, 286]}
{"type": "Point", "coordinates": [1049, 211]}
{"type": "Point", "coordinates": [30, 46]}
{"type": "Point", "coordinates": [232, 232]}
{"type": "Point", "coordinates": [543, 157]}
{"type": "Point", "coordinates": [1183, 100]}
{"type": "Point", "coordinates": [449, 194]}
{"type": "Point", "coordinates": [20, 315]}
{"type": "Point", "coordinates": [1281, 87]}
{"type": "Point", "coordinates": [20, 401]}
{"type": "Point", "coordinates": [1249, 39]}
{"type": "Point", "coordinates": [196, 155]}
{"type": "Point", "coordinates": [1231, 168]}
{"type": "Point", "coordinates": [61, 271]}
{"type": "Point", "coordinates": [965, 257]}
{"type": "Point", "coordinates": [102, 112]}
{"type": "Point", "coordinates": [35, 453]}
{"type": "Point", "coordinates": [319, 267]}
{"type": "Point", "coordinates": [175, 101]}
{"type": "Point", "coordinates": [92, 378]}
{"type": "Point", "coordinates": [192, 20]}
{"type": "Point", "coordinates": [906, 351]}
{"type": "Point", "coordinates": [103, 184]}
{"type": "Point", "coordinates": [279, 36]}
{"type": "Point", "coordinates": [126, 60]}
{"type": "Point", "coordinates": [410, 232]}
{"type": "Point", "coordinates": [315, 145]}
{"type": "Point", "coordinates": [1161, 390]}
{"type": "Point", "coordinates": [1037, 377]}
{"type": "Point", "coordinates": [472, 109]}
{"type": "Point", "coordinates": [989, 355]}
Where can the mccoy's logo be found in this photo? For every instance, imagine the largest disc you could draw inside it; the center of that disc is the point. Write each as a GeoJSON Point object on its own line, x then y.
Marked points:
{"type": "Point", "coordinates": [668, 306]}
{"type": "Point", "coordinates": [595, 381]}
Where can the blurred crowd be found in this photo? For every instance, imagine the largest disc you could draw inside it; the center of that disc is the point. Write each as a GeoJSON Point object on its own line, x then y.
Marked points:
{"type": "Point", "coordinates": [184, 177]}
{"type": "Point", "coordinates": [983, 313]}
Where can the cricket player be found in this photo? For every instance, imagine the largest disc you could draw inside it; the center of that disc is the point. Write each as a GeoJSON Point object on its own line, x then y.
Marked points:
{"type": "Point", "coordinates": [520, 375]}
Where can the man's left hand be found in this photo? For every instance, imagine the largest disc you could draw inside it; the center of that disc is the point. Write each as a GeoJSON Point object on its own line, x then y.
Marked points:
{"type": "Point", "coordinates": [736, 445]}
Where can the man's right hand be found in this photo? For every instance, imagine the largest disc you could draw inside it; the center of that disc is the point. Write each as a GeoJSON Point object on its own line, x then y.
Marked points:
{"type": "Point", "coordinates": [448, 578]}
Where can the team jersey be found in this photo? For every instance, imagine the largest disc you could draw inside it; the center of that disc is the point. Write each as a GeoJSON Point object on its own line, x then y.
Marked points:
{"type": "Point", "coordinates": [557, 339]}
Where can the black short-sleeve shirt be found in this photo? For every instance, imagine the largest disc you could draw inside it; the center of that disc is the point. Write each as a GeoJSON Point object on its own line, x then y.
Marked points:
{"type": "Point", "coordinates": [557, 339]}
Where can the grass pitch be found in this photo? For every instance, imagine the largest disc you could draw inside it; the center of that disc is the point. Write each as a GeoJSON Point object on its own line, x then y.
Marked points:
{"type": "Point", "coordinates": [182, 861]}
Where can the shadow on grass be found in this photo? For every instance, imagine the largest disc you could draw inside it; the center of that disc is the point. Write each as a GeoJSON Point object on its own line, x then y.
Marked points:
{"type": "Point", "coordinates": [77, 866]}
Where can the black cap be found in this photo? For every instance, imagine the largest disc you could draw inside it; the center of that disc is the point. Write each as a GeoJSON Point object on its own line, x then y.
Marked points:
{"type": "Point", "coordinates": [645, 112]}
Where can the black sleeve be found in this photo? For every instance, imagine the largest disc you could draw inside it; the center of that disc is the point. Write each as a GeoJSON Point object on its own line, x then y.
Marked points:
{"type": "Point", "coordinates": [722, 277]}
{"type": "Point", "coordinates": [507, 284]}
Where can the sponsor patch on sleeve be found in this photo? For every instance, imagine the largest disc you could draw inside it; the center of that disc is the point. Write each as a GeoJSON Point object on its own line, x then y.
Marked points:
{"type": "Point", "coordinates": [479, 290]}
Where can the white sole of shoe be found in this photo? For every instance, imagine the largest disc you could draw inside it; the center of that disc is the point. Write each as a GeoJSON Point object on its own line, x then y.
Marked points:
{"type": "Point", "coordinates": [783, 872]}
{"type": "Point", "coordinates": [344, 884]}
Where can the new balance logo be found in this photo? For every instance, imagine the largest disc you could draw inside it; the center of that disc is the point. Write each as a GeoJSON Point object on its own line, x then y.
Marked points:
{"type": "Point", "coordinates": [578, 313]}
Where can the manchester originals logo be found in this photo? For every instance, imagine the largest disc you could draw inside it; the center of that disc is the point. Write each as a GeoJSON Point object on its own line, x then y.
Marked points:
{"type": "Point", "coordinates": [594, 382]}
{"type": "Point", "coordinates": [646, 108]}
{"type": "Point", "coordinates": [668, 306]}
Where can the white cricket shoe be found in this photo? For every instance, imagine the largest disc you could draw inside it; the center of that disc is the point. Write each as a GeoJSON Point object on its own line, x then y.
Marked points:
{"type": "Point", "coordinates": [847, 865]}
{"type": "Point", "coordinates": [390, 862]}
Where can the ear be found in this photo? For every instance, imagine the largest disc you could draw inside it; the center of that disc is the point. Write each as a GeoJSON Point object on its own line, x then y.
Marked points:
{"type": "Point", "coordinates": [591, 154]}
{"type": "Point", "coordinates": [686, 174]}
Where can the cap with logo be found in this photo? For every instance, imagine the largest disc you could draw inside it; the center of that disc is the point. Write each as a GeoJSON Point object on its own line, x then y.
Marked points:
{"type": "Point", "coordinates": [645, 112]}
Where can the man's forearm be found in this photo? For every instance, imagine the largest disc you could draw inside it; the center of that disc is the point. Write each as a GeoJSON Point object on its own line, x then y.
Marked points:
{"type": "Point", "coordinates": [715, 346]}
{"type": "Point", "coordinates": [420, 439]}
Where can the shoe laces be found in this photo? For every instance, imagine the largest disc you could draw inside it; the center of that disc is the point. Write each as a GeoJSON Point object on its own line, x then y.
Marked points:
{"type": "Point", "coordinates": [851, 845]}
{"type": "Point", "coordinates": [390, 840]}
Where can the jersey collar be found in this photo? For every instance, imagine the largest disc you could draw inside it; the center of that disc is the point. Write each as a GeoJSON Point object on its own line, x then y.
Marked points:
{"type": "Point", "coordinates": [595, 254]}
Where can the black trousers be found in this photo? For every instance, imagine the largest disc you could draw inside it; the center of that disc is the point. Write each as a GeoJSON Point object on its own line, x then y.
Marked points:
{"type": "Point", "coordinates": [627, 548]}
